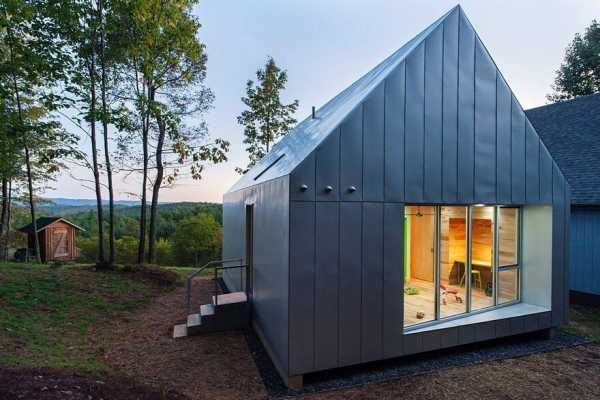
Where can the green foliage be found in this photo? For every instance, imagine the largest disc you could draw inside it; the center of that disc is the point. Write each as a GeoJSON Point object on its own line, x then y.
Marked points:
{"type": "Point", "coordinates": [579, 74]}
{"type": "Point", "coordinates": [197, 237]}
{"type": "Point", "coordinates": [171, 217]}
{"type": "Point", "coordinates": [267, 118]}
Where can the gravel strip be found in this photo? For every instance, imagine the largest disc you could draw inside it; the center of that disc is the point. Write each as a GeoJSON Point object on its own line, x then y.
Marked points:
{"type": "Point", "coordinates": [514, 347]}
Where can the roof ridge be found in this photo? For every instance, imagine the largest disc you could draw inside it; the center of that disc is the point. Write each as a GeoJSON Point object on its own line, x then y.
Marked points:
{"type": "Point", "coordinates": [561, 102]}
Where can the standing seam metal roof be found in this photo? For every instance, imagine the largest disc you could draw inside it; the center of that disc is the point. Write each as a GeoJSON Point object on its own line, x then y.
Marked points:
{"type": "Point", "coordinates": [299, 143]}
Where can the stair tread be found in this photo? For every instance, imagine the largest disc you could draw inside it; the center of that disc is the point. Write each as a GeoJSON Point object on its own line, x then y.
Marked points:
{"type": "Point", "coordinates": [207, 309]}
{"type": "Point", "coordinates": [194, 320]}
{"type": "Point", "coordinates": [179, 331]}
{"type": "Point", "coordinates": [230, 298]}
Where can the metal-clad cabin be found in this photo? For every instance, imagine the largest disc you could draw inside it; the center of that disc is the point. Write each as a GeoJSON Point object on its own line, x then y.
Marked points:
{"type": "Point", "coordinates": [418, 210]}
{"type": "Point", "coordinates": [56, 236]}
{"type": "Point", "coordinates": [571, 131]}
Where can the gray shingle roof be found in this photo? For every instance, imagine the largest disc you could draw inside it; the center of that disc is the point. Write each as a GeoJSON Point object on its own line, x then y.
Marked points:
{"type": "Point", "coordinates": [294, 147]}
{"type": "Point", "coordinates": [571, 132]}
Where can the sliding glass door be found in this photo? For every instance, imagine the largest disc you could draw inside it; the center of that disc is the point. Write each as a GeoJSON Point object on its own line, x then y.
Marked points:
{"type": "Point", "coordinates": [458, 260]}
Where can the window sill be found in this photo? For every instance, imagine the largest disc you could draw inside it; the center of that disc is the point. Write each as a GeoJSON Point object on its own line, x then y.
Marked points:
{"type": "Point", "coordinates": [510, 311]}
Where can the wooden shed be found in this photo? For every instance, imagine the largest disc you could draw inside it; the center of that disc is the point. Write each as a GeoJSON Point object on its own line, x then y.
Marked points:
{"type": "Point", "coordinates": [57, 238]}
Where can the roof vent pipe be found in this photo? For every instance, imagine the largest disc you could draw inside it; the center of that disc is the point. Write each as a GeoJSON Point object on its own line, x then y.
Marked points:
{"type": "Point", "coordinates": [314, 113]}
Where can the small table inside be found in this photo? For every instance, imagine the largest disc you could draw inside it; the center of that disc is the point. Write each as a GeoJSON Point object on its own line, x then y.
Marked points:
{"type": "Point", "coordinates": [458, 270]}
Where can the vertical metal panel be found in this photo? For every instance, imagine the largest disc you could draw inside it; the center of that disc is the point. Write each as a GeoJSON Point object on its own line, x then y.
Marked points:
{"type": "Point", "coordinates": [271, 257]}
{"type": "Point", "coordinates": [558, 246]}
{"type": "Point", "coordinates": [585, 250]}
{"type": "Point", "coordinates": [433, 116]}
{"type": "Point", "coordinates": [466, 110]}
{"type": "Point", "coordinates": [350, 282]}
{"type": "Point", "coordinates": [328, 168]}
{"type": "Point", "coordinates": [502, 328]}
{"type": "Point", "coordinates": [466, 334]}
{"type": "Point", "coordinates": [485, 331]}
{"type": "Point", "coordinates": [516, 325]}
{"type": "Point", "coordinates": [532, 163]}
{"type": "Point", "coordinates": [413, 151]}
{"type": "Point", "coordinates": [485, 126]}
{"type": "Point", "coordinates": [393, 285]}
{"type": "Point", "coordinates": [518, 153]}
{"type": "Point", "coordinates": [270, 291]}
{"type": "Point", "coordinates": [450, 109]}
{"type": "Point", "coordinates": [431, 340]}
{"type": "Point", "coordinates": [394, 135]}
{"type": "Point", "coordinates": [413, 344]}
{"type": "Point", "coordinates": [326, 288]}
{"type": "Point", "coordinates": [303, 175]}
{"type": "Point", "coordinates": [503, 140]}
{"type": "Point", "coordinates": [373, 162]}
{"type": "Point", "coordinates": [372, 282]}
{"type": "Point", "coordinates": [545, 320]}
{"type": "Point", "coordinates": [449, 338]}
{"type": "Point", "coordinates": [302, 293]}
{"type": "Point", "coordinates": [545, 175]}
{"type": "Point", "coordinates": [351, 156]}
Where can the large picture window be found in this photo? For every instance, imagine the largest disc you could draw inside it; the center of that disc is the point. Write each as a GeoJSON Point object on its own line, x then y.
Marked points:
{"type": "Point", "coordinates": [459, 259]}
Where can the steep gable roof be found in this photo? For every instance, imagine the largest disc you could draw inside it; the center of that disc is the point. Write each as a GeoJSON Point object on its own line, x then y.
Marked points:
{"type": "Point", "coordinates": [294, 147]}
{"type": "Point", "coordinates": [571, 131]}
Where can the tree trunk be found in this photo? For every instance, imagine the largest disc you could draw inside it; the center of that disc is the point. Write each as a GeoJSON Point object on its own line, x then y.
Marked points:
{"type": "Point", "coordinates": [26, 147]}
{"type": "Point", "coordinates": [155, 191]}
{"type": "Point", "coordinates": [8, 219]}
{"type": "Point", "coordinates": [3, 220]}
{"type": "Point", "coordinates": [36, 238]}
{"type": "Point", "coordinates": [143, 211]}
{"type": "Point", "coordinates": [111, 200]}
{"type": "Point", "coordinates": [95, 168]}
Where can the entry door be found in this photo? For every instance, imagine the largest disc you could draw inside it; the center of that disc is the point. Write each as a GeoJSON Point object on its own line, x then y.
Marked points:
{"type": "Point", "coordinates": [422, 249]}
{"type": "Point", "coordinates": [60, 243]}
{"type": "Point", "coordinates": [249, 249]}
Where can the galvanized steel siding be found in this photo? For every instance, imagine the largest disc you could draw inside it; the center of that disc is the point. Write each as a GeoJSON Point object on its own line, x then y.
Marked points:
{"type": "Point", "coordinates": [271, 257]}
{"type": "Point", "coordinates": [443, 127]}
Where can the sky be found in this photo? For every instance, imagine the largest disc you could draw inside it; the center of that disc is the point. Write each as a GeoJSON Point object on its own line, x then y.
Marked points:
{"type": "Point", "coordinates": [325, 45]}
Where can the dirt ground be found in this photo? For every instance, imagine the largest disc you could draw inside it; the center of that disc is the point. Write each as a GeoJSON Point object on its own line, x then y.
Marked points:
{"type": "Point", "coordinates": [148, 364]}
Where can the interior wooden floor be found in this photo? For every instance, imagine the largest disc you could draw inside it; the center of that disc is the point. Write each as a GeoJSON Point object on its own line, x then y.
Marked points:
{"type": "Point", "coordinates": [425, 302]}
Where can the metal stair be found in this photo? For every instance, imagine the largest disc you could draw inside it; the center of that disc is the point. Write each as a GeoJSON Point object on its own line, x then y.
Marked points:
{"type": "Point", "coordinates": [226, 311]}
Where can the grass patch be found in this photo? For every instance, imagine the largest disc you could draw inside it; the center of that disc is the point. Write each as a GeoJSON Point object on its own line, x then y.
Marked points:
{"type": "Point", "coordinates": [584, 321]}
{"type": "Point", "coordinates": [48, 313]}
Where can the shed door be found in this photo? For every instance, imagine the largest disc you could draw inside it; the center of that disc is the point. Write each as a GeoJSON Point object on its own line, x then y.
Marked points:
{"type": "Point", "coordinates": [60, 243]}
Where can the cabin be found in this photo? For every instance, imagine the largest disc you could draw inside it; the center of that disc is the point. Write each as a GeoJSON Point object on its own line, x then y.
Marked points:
{"type": "Point", "coordinates": [571, 132]}
{"type": "Point", "coordinates": [415, 211]}
{"type": "Point", "coordinates": [57, 237]}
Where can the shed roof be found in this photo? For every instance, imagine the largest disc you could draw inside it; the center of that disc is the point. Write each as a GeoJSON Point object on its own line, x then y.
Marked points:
{"type": "Point", "coordinates": [44, 222]}
{"type": "Point", "coordinates": [294, 147]}
{"type": "Point", "coordinates": [571, 132]}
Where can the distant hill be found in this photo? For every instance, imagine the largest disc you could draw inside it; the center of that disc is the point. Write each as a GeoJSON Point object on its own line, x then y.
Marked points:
{"type": "Point", "coordinates": [63, 205]}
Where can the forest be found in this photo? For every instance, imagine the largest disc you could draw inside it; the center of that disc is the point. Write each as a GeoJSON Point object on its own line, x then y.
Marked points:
{"type": "Point", "coordinates": [117, 88]}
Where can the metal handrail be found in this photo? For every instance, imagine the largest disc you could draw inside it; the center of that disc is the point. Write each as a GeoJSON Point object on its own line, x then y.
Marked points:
{"type": "Point", "coordinates": [198, 271]}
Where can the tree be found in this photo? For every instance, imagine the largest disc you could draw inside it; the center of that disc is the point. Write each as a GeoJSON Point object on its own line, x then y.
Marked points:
{"type": "Point", "coordinates": [167, 67]}
{"type": "Point", "coordinates": [197, 237]}
{"type": "Point", "coordinates": [579, 74]}
{"type": "Point", "coordinates": [31, 71]}
{"type": "Point", "coordinates": [266, 119]}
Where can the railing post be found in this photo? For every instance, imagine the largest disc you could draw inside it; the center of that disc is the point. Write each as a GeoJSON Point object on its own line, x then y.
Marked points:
{"type": "Point", "coordinates": [216, 285]}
